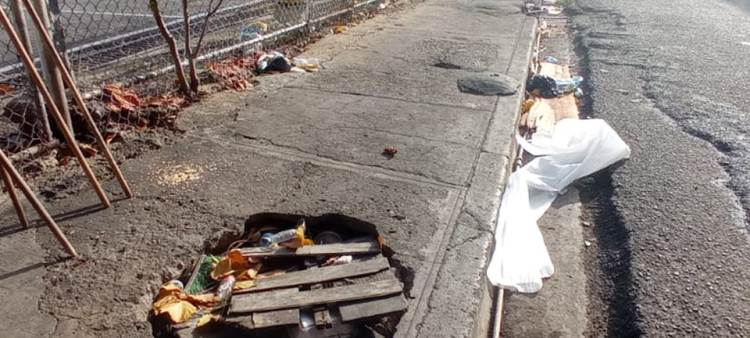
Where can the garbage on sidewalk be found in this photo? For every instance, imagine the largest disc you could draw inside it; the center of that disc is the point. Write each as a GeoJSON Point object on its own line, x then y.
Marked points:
{"type": "Point", "coordinates": [308, 64]}
{"type": "Point", "coordinates": [281, 278]}
{"type": "Point", "coordinates": [273, 61]}
{"type": "Point", "coordinates": [547, 7]}
{"type": "Point", "coordinates": [543, 86]}
{"type": "Point", "coordinates": [252, 32]}
{"type": "Point", "coordinates": [562, 149]}
{"type": "Point", "coordinates": [577, 148]}
{"type": "Point", "coordinates": [236, 73]}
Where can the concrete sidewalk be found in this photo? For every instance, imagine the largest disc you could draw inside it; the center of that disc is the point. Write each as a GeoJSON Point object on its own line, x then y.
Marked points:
{"type": "Point", "coordinates": [312, 146]}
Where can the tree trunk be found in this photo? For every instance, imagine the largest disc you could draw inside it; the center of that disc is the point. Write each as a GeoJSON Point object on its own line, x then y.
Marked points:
{"type": "Point", "coordinates": [194, 81]}
{"type": "Point", "coordinates": [182, 81]}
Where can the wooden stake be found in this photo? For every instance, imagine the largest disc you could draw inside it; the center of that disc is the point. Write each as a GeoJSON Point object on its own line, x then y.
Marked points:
{"type": "Point", "coordinates": [5, 164]}
{"type": "Point", "coordinates": [52, 106]}
{"type": "Point", "coordinates": [51, 72]}
{"type": "Point", "coordinates": [14, 197]}
{"type": "Point", "coordinates": [47, 40]}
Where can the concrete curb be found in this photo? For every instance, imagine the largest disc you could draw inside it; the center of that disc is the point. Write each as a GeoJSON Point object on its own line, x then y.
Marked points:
{"type": "Point", "coordinates": [501, 137]}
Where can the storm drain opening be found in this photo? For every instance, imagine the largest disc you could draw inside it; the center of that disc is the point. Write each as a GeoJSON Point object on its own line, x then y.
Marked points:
{"type": "Point", "coordinates": [330, 276]}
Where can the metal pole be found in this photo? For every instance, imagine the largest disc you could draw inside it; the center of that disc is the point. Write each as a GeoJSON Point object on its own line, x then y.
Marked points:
{"type": "Point", "coordinates": [23, 33]}
{"type": "Point", "coordinates": [307, 15]}
{"type": "Point", "coordinates": [53, 107]}
{"type": "Point", "coordinates": [497, 326]}
{"type": "Point", "coordinates": [51, 71]}
{"type": "Point", "coordinates": [79, 100]}
{"type": "Point", "coordinates": [59, 35]}
{"type": "Point", "coordinates": [14, 197]}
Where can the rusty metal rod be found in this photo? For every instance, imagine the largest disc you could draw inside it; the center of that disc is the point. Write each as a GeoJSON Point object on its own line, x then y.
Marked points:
{"type": "Point", "coordinates": [15, 176]}
{"type": "Point", "coordinates": [29, 63]}
{"type": "Point", "coordinates": [14, 197]}
{"type": "Point", "coordinates": [47, 40]}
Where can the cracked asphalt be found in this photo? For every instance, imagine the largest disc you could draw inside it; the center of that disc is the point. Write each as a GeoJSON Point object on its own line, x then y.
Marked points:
{"type": "Point", "coordinates": [309, 146]}
{"type": "Point", "coordinates": [670, 78]}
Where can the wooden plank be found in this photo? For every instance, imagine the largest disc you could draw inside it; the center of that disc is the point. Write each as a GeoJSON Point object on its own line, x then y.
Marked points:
{"type": "Point", "coordinates": [319, 275]}
{"type": "Point", "coordinates": [267, 319]}
{"type": "Point", "coordinates": [322, 318]}
{"type": "Point", "coordinates": [266, 301]}
{"type": "Point", "coordinates": [373, 308]}
{"type": "Point", "coordinates": [275, 318]}
{"type": "Point", "coordinates": [194, 274]}
{"type": "Point", "coordinates": [315, 250]}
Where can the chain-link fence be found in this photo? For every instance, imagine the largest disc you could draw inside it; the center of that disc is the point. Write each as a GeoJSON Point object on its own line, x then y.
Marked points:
{"type": "Point", "coordinates": [111, 42]}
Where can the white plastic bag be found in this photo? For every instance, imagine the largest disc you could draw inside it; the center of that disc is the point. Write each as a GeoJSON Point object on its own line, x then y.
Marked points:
{"type": "Point", "coordinates": [576, 148]}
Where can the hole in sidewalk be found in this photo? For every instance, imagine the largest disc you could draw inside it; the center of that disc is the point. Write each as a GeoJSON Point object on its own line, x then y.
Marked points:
{"type": "Point", "coordinates": [285, 272]}
{"type": "Point", "coordinates": [446, 65]}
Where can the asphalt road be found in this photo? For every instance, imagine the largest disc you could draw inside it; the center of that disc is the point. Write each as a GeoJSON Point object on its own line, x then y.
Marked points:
{"type": "Point", "coordinates": [671, 77]}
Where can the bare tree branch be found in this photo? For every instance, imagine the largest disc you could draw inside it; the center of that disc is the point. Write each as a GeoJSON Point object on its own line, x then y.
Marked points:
{"type": "Point", "coordinates": [154, 6]}
{"type": "Point", "coordinates": [193, 54]}
{"type": "Point", "coordinates": [208, 16]}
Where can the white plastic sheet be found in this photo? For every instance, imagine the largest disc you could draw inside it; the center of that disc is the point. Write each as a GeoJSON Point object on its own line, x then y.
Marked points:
{"type": "Point", "coordinates": [576, 148]}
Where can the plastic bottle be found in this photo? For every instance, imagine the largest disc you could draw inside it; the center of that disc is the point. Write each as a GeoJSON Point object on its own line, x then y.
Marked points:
{"type": "Point", "coordinates": [551, 59]}
{"type": "Point", "coordinates": [280, 237]}
{"type": "Point", "coordinates": [177, 283]}
{"type": "Point", "coordinates": [225, 287]}
{"type": "Point", "coordinates": [309, 64]}
{"type": "Point", "coordinates": [265, 240]}
{"type": "Point", "coordinates": [567, 86]}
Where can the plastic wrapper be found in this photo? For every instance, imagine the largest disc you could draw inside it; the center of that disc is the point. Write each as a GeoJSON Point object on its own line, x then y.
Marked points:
{"type": "Point", "coordinates": [575, 149]}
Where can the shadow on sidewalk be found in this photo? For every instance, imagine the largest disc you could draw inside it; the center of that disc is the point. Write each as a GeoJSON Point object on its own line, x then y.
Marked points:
{"type": "Point", "coordinates": [34, 223]}
{"type": "Point", "coordinates": [31, 268]}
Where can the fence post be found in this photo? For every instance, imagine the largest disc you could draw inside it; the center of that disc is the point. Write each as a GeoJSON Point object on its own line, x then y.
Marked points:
{"type": "Point", "coordinates": [307, 15]}
{"type": "Point", "coordinates": [59, 35]}
{"type": "Point", "coordinates": [19, 19]}
{"type": "Point", "coordinates": [52, 74]}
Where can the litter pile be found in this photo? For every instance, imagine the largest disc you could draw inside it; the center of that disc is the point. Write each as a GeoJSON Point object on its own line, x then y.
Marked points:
{"type": "Point", "coordinates": [561, 149]}
{"type": "Point", "coordinates": [326, 286]}
{"type": "Point", "coordinates": [235, 73]}
{"type": "Point", "coordinates": [546, 7]}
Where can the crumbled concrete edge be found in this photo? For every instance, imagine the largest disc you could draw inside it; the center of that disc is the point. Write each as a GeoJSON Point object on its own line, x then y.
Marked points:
{"type": "Point", "coordinates": [483, 324]}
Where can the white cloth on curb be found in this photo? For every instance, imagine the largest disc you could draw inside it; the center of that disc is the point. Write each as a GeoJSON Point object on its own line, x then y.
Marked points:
{"type": "Point", "coordinates": [575, 149]}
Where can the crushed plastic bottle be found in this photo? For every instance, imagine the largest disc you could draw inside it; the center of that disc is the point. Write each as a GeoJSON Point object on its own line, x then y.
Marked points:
{"type": "Point", "coordinates": [225, 287]}
{"type": "Point", "coordinates": [551, 59]}
{"type": "Point", "coordinates": [569, 86]}
{"type": "Point", "coordinates": [292, 238]}
{"type": "Point", "coordinates": [308, 64]}
{"type": "Point", "coordinates": [265, 240]}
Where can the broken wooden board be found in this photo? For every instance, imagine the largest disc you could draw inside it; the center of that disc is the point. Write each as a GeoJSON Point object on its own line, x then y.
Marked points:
{"type": "Point", "coordinates": [315, 250]}
{"type": "Point", "coordinates": [260, 320]}
{"type": "Point", "coordinates": [372, 308]}
{"type": "Point", "coordinates": [266, 301]}
{"type": "Point", "coordinates": [319, 275]}
{"type": "Point", "coordinates": [265, 319]}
